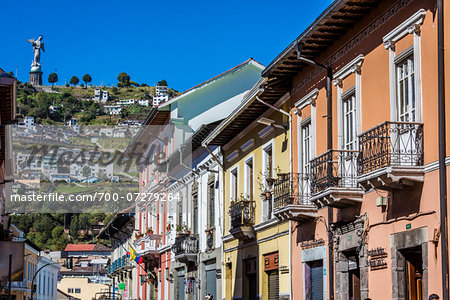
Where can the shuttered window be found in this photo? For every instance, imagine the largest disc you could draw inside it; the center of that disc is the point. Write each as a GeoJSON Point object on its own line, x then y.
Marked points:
{"type": "Point", "coordinates": [317, 281]}
{"type": "Point", "coordinates": [274, 285]}
{"type": "Point", "coordinates": [211, 282]}
{"type": "Point", "coordinates": [180, 287]}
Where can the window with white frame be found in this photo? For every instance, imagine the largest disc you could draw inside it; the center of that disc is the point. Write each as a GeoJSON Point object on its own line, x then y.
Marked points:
{"type": "Point", "coordinates": [405, 88]}
{"type": "Point", "coordinates": [234, 184]}
{"type": "Point", "coordinates": [306, 146]}
{"type": "Point", "coordinates": [268, 161]}
{"type": "Point", "coordinates": [267, 157]}
{"type": "Point", "coordinates": [249, 178]}
{"type": "Point", "coordinates": [349, 136]}
{"type": "Point", "coordinates": [349, 104]}
{"type": "Point", "coordinates": [180, 213]}
{"type": "Point", "coordinates": [195, 212]}
{"type": "Point", "coordinates": [405, 70]}
{"type": "Point", "coordinates": [211, 202]}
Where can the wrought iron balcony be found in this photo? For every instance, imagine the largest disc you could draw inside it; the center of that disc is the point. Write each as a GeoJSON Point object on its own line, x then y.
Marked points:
{"type": "Point", "coordinates": [185, 248]}
{"type": "Point", "coordinates": [334, 179]}
{"type": "Point", "coordinates": [391, 155]}
{"type": "Point", "coordinates": [292, 197]}
{"type": "Point", "coordinates": [242, 215]}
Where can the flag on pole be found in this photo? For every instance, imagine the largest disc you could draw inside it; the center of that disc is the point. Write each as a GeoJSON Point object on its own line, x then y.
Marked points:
{"type": "Point", "coordinates": [132, 252]}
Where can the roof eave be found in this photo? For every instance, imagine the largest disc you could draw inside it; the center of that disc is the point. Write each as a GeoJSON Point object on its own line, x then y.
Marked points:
{"type": "Point", "coordinates": [291, 48]}
{"type": "Point", "coordinates": [248, 99]}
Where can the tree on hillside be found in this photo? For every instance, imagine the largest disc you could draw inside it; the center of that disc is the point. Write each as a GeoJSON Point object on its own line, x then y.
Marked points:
{"type": "Point", "coordinates": [124, 79]}
{"type": "Point", "coordinates": [162, 83]}
{"type": "Point", "coordinates": [87, 78]}
{"type": "Point", "coordinates": [74, 227]}
{"type": "Point", "coordinates": [52, 78]}
{"type": "Point", "coordinates": [133, 83]}
{"type": "Point", "coordinates": [74, 80]}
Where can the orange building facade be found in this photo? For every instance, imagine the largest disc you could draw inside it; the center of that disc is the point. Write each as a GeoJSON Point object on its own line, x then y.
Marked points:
{"type": "Point", "coordinates": [367, 159]}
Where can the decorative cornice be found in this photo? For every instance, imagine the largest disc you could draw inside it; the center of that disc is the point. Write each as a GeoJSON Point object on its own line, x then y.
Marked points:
{"type": "Point", "coordinates": [363, 34]}
{"type": "Point", "coordinates": [352, 67]}
{"type": "Point", "coordinates": [411, 25]}
{"type": "Point", "coordinates": [309, 98]}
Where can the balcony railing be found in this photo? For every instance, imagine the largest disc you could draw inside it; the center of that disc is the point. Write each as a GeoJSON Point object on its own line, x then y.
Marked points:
{"type": "Point", "coordinates": [334, 168]}
{"type": "Point", "coordinates": [391, 144]}
{"type": "Point", "coordinates": [294, 188]}
{"type": "Point", "coordinates": [185, 244]}
{"type": "Point", "coordinates": [242, 213]}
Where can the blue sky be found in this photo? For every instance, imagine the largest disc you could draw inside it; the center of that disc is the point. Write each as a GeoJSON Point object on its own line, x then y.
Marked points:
{"type": "Point", "coordinates": [184, 42]}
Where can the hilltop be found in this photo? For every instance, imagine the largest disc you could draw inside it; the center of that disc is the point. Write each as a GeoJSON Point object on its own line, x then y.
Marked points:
{"type": "Point", "coordinates": [57, 105]}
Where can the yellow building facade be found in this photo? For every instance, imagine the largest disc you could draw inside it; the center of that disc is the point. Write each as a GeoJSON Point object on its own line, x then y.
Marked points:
{"type": "Point", "coordinates": [256, 245]}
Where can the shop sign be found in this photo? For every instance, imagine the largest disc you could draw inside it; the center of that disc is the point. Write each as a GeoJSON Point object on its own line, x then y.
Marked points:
{"type": "Point", "coordinates": [121, 286]}
{"type": "Point", "coordinates": [271, 261]}
{"type": "Point", "coordinates": [377, 258]}
{"type": "Point", "coordinates": [312, 243]}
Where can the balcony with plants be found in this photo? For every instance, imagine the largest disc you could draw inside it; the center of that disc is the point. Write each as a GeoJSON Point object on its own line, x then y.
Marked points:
{"type": "Point", "coordinates": [391, 156]}
{"type": "Point", "coordinates": [292, 197]}
{"type": "Point", "coordinates": [186, 245]}
{"type": "Point", "coordinates": [242, 218]}
{"type": "Point", "coordinates": [334, 179]}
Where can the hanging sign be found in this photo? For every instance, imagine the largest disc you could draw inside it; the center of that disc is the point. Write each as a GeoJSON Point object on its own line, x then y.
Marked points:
{"type": "Point", "coordinates": [271, 261]}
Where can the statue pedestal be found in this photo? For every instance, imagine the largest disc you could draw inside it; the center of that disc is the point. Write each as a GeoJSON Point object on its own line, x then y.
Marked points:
{"type": "Point", "coordinates": [36, 77]}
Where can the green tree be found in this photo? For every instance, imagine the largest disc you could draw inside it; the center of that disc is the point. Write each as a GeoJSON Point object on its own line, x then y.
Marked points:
{"type": "Point", "coordinates": [57, 232]}
{"type": "Point", "coordinates": [83, 221]}
{"type": "Point", "coordinates": [74, 80]}
{"type": "Point", "coordinates": [162, 83]}
{"type": "Point", "coordinates": [87, 78]}
{"type": "Point", "coordinates": [133, 83]}
{"type": "Point", "coordinates": [124, 79]}
{"type": "Point", "coordinates": [52, 78]}
{"type": "Point", "coordinates": [74, 227]}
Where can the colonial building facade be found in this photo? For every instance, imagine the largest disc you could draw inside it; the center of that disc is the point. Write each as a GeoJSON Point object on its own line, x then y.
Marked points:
{"type": "Point", "coordinates": [364, 136]}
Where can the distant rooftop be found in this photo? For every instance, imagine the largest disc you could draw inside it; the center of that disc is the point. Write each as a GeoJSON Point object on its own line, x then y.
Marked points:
{"type": "Point", "coordinates": [87, 247]}
{"type": "Point", "coordinates": [245, 63]}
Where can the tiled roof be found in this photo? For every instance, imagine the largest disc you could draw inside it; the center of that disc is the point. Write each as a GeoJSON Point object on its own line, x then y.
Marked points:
{"type": "Point", "coordinates": [86, 247]}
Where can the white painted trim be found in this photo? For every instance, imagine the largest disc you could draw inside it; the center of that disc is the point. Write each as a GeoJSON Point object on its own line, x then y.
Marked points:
{"type": "Point", "coordinates": [246, 187]}
{"type": "Point", "coordinates": [407, 27]}
{"type": "Point", "coordinates": [352, 67]}
{"type": "Point", "coordinates": [307, 99]}
{"type": "Point", "coordinates": [232, 169]}
{"type": "Point", "coordinates": [349, 68]}
{"type": "Point", "coordinates": [264, 168]}
{"type": "Point", "coordinates": [411, 26]}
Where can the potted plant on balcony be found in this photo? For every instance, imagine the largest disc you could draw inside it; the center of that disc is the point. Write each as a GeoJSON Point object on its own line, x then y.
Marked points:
{"type": "Point", "coordinates": [179, 229]}
{"type": "Point", "coordinates": [280, 174]}
{"type": "Point", "coordinates": [149, 231]}
{"type": "Point", "coordinates": [139, 235]}
{"type": "Point", "coordinates": [186, 229]}
{"type": "Point", "coordinates": [243, 198]}
{"type": "Point", "coordinates": [168, 227]}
